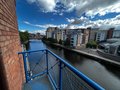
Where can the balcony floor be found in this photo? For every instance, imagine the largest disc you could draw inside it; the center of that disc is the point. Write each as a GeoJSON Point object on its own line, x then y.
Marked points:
{"type": "Point", "coordinates": [40, 83]}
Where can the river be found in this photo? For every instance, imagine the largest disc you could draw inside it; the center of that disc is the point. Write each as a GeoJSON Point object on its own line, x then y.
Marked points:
{"type": "Point", "coordinates": [105, 75]}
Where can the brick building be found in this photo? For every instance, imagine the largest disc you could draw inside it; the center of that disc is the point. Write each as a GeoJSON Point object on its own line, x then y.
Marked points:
{"type": "Point", "coordinates": [11, 66]}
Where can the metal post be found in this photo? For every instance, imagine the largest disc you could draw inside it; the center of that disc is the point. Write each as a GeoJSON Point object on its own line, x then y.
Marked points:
{"type": "Point", "coordinates": [47, 60]}
{"type": "Point", "coordinates": [60, 75]}
{"type": "Point", "coordinates": [25, 67]}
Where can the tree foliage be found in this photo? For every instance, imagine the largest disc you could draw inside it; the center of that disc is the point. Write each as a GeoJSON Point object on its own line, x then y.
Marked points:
{"type": "Point", "coordinates": [91, 44]}
{"type": "Point", "coordinates": [67, 42]}
{"type": "Point", "coordinates": [24, 36]}
{"type": "Point", "coordinates": [60, 41]}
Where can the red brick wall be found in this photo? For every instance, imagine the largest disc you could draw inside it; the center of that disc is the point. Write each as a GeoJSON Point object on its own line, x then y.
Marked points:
{"type": "Point", "coordinates": [109, 33]}
{"type": "Point", "coordinates": [13, 72]}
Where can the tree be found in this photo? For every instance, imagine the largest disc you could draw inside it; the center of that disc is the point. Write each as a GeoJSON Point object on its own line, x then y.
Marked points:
{"type": "Point", "coordinates": [52, 40]}
{"type": "Point", "coordinates": [24, 36]}
{"type": "Point", "coordinates": [91, 44]}
{"type": "Point", "coordinates": [67, 42]}
{"type": "Point", "coordinates": [60, 41]}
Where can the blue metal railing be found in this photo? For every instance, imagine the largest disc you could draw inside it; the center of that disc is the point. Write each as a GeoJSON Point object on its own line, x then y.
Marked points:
{"type": "Point", "coordinates": [63, 67]}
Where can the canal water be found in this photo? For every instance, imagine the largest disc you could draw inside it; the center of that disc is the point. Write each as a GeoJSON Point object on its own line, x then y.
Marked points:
{"type": "Point", "coordinates": [105, 75]}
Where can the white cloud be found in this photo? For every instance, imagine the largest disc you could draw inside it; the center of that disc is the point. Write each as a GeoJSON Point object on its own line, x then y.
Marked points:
{"type": "Point", "coordinates": [45, 5]}
{"type": "Point", "coordinates": [77, 20]}
{"type": "Point", "coordinates": [42, 32]}
{"type": "Point", "coordinates": [102, 24]}
{"type": "Point", "coordinates": [44, 26]}
{"type": "Point", "coordinates": [70, 20]}
{"type": "Point", "coordinates": [23, 30]}
{"type": "Point", "coordinates": [26, 22]}
{"type": "Point", "coordinates": [61, 14]}
{"type": "Point", "coordinates": [89, 7]}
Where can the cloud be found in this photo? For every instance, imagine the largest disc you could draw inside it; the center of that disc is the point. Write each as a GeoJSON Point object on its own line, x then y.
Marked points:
{"type": "Point", "coordinates": [92, 7]}
{"type": "Point", "coordinates": [61, 14]}
{"type": "Point", "coordinates": [26, 22]}
{"type": "Point", "coordinates": [22, 30]}
{"type": "Point", "coordinates": [83, 22]}
{"type": "Point", "coordinates": [42, 32]}
{"type": "Point", "coordinates": [45, 5]}
{"type": "Point", "coordinates": [70, 20]}
{"type": "Point", "coordinates": [44, 26]}
{"type": "Point", "coordinates": [89, 7]}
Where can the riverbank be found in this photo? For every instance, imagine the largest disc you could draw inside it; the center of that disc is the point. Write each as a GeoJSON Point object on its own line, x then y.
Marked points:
{"type": "Point", "coordinates": [89, 55]}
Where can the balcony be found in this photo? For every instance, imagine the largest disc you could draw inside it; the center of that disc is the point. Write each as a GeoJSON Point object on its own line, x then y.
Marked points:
{"type": "Point", "coordinates": [51, 72]}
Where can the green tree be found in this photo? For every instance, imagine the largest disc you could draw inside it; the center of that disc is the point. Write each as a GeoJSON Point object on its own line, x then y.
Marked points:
{"type": "Point", "coordinates": [52, 40]}
{"type": "Point", "coordinates": [91, 44]}
{"type": "Point", "coordinates": [24, 36]}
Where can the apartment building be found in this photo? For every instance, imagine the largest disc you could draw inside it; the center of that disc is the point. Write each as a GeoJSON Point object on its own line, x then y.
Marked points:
{"type": "Point", "coordinates": [49, 32]}
{"type": "Point", "coordinates": [116, 34]}
{"type": "Point", "coordinates": [101, 35]}
{"type": "Point", "coordinates": [85, 38]}
{"type": "Point", "coordinates": [92, 34]}
{"type": "Point", "coordinates": [76, 38]}
{"type": "Point", "coordinates": [98, 35]}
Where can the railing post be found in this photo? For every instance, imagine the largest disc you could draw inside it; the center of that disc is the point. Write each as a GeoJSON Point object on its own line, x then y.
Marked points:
{"type": "Point", "coordinates": [47, 60]}
{"type": "Point", "coordinates": [60, 75]}
{"type": "Point", "coordinates": [25, 67]}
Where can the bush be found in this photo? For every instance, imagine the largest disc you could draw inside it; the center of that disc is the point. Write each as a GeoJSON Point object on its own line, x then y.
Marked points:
{"type": "Point", "coordinates": [91, 44]}
{"type": "Point", "coordinates": [52, 40]}
{"type": "Point", "coordinates": [67, 42]}
{"type": "Point", "coordinates": [60, 41]}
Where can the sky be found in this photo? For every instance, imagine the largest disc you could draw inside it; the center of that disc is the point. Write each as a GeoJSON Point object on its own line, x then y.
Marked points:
{"type": "Point", "coordinates": [37, 15]}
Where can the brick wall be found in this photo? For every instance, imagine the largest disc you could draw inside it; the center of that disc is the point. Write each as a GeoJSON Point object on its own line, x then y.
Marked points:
{"type": "Point", "coordinates": [11, 66]}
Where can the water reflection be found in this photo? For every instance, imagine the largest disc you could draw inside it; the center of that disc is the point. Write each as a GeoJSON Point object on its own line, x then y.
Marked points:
{"type": "Point", "coordinates": [106, 75]}
{"type": "Point", "coordinates": [72, 57]}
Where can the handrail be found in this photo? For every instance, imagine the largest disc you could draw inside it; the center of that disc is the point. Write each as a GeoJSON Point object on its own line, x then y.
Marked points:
{"type": "Point", "coordinates": [78, 73]}
{"type": "Point", "coordinates": [30, 51]}
{"type": "Point", "coordinates": [73, 69]}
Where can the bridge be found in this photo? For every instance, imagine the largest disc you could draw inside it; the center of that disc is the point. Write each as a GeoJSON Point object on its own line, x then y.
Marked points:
{"type": "Point", "coordinates": [51, 72]}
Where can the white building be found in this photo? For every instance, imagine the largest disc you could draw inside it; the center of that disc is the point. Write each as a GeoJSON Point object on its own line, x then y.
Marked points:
{"type": "Point", "coordinates": [49, 32]}
{"type": "Point", "coordinates": [101, 35]}
{"type": "Point", "coordinates": [76, 38]}
{"type": "Point", "coordinates": [58, 34]}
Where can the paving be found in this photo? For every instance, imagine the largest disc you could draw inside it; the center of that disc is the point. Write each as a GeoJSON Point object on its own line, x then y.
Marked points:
{"type": "Point", "coordinates": [40, 83]}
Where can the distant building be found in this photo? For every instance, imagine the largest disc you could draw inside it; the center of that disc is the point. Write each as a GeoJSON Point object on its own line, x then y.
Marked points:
{"type": "Point", "coordinates": [116, 34]}
{"type": "Point", "coordinates": [101, 35]}
{"type": "Point", "coordinates": [85, 38]}
{"type": "Point", "coordinates": [49, 32]}
{"type": "Point", "coordinates": [97, 35]}
{"type": "Point", "coordinates": [35, 36]}
{"type": "Point", "coordinates": [112, 46]}
{"type": "Point", "coordinates": [38, 35]}
{"type": "Point", "coordinates": [31, 35]}
{"type": "Point", "coordinates": [110, 33]}
{"type": "Point", "coordinates": [59, 34]}
{"type": "Point", "coordinates": [76, 38]}
{"type": "Point", "coordinates": [92, 34]}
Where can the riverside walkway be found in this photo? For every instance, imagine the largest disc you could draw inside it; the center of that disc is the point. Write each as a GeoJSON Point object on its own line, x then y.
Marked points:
{"type": "Point", "coordinates": [91, 55]}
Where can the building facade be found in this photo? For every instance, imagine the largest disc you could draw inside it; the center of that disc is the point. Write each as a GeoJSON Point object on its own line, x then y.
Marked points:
{"type": "Point", "coordinates": [116, 34]}
{"type": "Point", "coordinates": [101, 35]}
{"type": "Point", "coordinates": [49, 32]}
{"type": "Point", "coordinates": [11, 65]}
{"type": "Point", "coordinates": [92, 34]}
{"type": "Point", "coordinates": [98, 35]}
{"type": "Point", "coordinates": [85, 38]}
